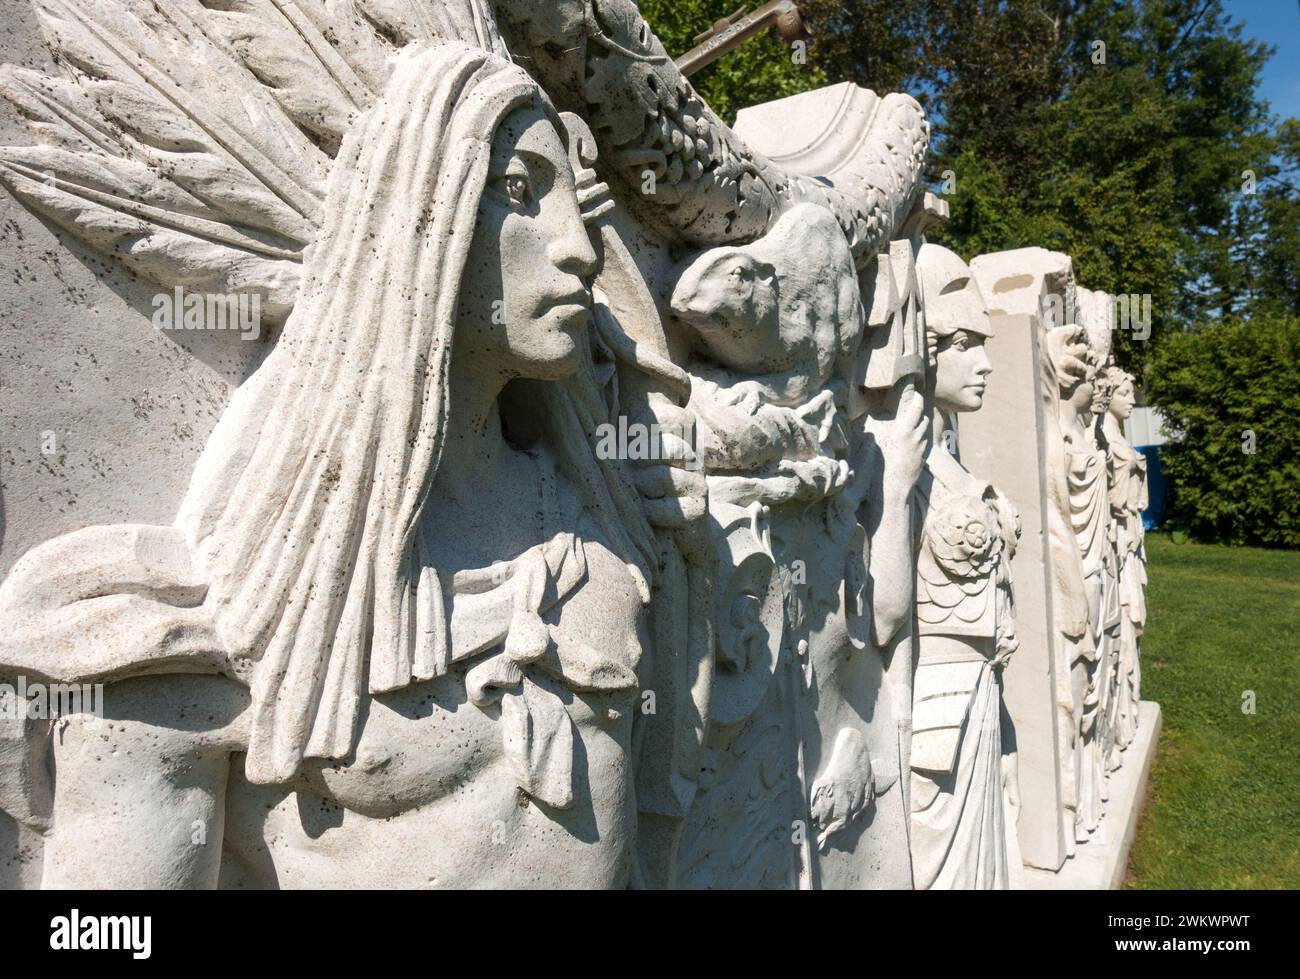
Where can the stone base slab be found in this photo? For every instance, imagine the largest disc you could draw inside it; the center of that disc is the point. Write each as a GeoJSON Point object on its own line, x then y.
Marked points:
{"type": "Point", "coordinates": [1100, 864]}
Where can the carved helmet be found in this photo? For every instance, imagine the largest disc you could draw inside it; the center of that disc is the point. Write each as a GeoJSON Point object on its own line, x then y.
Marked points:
{"type": "Point", "coordinates": [952, 299]}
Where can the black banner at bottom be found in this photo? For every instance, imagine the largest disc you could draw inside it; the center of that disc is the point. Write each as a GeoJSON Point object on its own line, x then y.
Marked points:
{"type": "Point", "coordinates": [136, 929]}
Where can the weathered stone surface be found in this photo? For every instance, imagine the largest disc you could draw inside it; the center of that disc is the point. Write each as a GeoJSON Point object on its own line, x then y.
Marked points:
{"type": "Point", "coordinates": [448, 455]}
{"type": "Point", "coordinates": [1072, 689]}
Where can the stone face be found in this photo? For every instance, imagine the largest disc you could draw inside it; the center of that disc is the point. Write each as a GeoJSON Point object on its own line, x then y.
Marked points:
{"type": "Point", "coordinates": [964, 780]}
{"type": "Point", "coordinates": [483, 475]}
{"type": "Point", "coordinates": [1016, 437]}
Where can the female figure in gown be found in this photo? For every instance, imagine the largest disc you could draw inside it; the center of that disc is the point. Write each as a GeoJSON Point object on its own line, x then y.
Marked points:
{"type": "Point", "coordinates": [963, 797]}
{"type": "Point", "coordinates": [1086, 477]}
{"type": "Point", "coordinates": [392, 638]}
{"type": "Point", "coordinates": [1128, 498]}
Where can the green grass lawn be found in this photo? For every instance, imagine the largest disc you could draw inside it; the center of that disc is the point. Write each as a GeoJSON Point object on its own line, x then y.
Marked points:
{"type": "Point", "coordinates": [1223, 805]}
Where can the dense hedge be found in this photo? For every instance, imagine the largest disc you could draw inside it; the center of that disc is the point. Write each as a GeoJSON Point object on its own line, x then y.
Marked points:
{"type": "Point", "coordinates": [1217, 386]}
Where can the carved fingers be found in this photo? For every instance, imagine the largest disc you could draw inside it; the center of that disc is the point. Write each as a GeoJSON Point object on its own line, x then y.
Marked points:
{"type": "Point", "coordinates": [903, 441]}
{"type": "Point", "coordinates": [1011, 779]}
{"type": "Point", "coordinates": [824, 414]}
{"type": "Point", "coordinates": [815, 479]}
{"type": "Point", "coordinates": [744, 395]}
{"type": "Point", "coordinates": [1069, 351]}
{"type": "Point", "coordinates": [671, 495]}
{"type": "Point", "coordinates": [676, 500]}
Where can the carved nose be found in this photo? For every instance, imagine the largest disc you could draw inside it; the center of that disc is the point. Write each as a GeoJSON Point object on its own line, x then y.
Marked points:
{"type": "Point", "coordinates": [571, 250]}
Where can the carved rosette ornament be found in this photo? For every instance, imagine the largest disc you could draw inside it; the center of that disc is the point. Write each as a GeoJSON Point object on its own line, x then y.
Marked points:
{"type": "Point", "coordinates": [963, 791]}
{"type": "Point", "coordinates": [963, 540]}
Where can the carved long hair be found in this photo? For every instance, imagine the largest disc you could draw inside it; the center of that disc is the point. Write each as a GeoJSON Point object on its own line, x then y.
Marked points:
{"type": "Point", "coordinates": [306, 504]}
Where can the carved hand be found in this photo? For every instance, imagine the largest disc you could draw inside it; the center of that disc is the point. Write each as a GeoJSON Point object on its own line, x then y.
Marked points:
{"type": "Point", "coordinates": [903, 442]}
{"type": "Point", "coordinates": [822, 414]}
{"type": "Point", "coordinates": [1011, 780]}
{"type": "Point", "coordinates": [813, 479]}
{"type": "Point", "coordinates": [673, 496]}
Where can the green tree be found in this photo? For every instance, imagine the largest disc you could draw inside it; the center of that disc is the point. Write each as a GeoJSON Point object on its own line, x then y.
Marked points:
{"type": "Point", "coordinates": [1230, 394]}
{"type": "Point", "coordinates": [1274, 250]}
{"type": "Point", "coordinates": [764, 69]}
{"type": "Point", "coordinates": [1116, 130]}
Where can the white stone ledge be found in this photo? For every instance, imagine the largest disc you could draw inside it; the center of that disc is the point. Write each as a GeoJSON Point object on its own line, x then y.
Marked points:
{"type": "Point", "coordinates": [1101, 863]}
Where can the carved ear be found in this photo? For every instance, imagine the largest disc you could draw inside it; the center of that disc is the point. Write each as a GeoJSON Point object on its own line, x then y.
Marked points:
{"type": "Point", "coordinates": [714, 280]}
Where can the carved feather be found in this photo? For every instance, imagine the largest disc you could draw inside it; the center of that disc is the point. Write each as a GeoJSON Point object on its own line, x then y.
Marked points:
{"type": "Point", "coordinates": [192, 139]}
{"type": "Point", "coordinates": [82, 180]}
{"type": "Point", "coordinates": [309, 79]}
{"type": "Point", "coordinates": [163, 246]}
{"type": "Point", "coordinates": [58, 112]}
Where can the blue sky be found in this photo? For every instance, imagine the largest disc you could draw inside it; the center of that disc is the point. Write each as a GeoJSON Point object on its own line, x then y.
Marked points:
{"type": "Point", "coordinates": [1276, 22]}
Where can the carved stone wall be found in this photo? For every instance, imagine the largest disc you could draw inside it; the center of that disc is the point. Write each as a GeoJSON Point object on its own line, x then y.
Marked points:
{"type": "Point", "coordinates": [445, 454]}
{"type": "Point", "coordinates": [1052, 335]}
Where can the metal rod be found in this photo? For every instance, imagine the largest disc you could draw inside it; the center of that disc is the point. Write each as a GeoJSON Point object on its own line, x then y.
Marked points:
{"type": "Point", "coordinates": [734, 30]}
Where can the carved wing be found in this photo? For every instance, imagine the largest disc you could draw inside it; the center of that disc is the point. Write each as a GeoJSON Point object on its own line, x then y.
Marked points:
{"type": "Point", "coordinates": [191, 139]}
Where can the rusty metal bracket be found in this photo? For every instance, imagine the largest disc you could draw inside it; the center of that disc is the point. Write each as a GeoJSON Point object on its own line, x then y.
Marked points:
{"type": "Point", "coordinates": [735, 29]}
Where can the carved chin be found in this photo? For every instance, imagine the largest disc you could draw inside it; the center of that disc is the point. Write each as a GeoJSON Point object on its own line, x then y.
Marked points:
{"type": "Point", "coordinates": [967, 399]}
{"type": "Point", "coordinates": [556, 353]}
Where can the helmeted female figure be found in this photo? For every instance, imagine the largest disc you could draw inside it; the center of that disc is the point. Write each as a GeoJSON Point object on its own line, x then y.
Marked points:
{"type": "Point", "coordinates": [963, 797]}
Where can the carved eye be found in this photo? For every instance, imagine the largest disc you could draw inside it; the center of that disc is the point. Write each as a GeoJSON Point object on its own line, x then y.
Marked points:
{"type": "Point", "coordinates": [961, 340]}
{"type": "Point", "coordinates": [516, 188]}
{"type": "Point", "coordinates": [740, 273]}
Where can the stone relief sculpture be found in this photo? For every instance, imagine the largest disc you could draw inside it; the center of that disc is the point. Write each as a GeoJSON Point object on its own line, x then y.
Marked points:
{"type": "Point", "coordinates": [1089, 518]}
{"type": "Point", "coordinates": [1063, 687]}
{"type": "Point", "coordinates": [964, 795]}
{"type": "Point", "coordinates": [403, 533]}
{"type": "Point", "coordinates": [1063, 364]}
{"type": "Point", "coordinates": [786, 450]}
{"type": "Point", "coordinates": [342, 557]}
{"type": "Point", "coordinates": [1093, 310]}
{"type": "Point", "coordinates": [593, 514]}
{"type": "Point", "coordinates": [1126, 469]}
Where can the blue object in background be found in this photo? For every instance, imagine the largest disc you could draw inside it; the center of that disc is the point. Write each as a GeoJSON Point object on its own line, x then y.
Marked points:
{"type": "Point", "coordinates": [1154, 515]}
